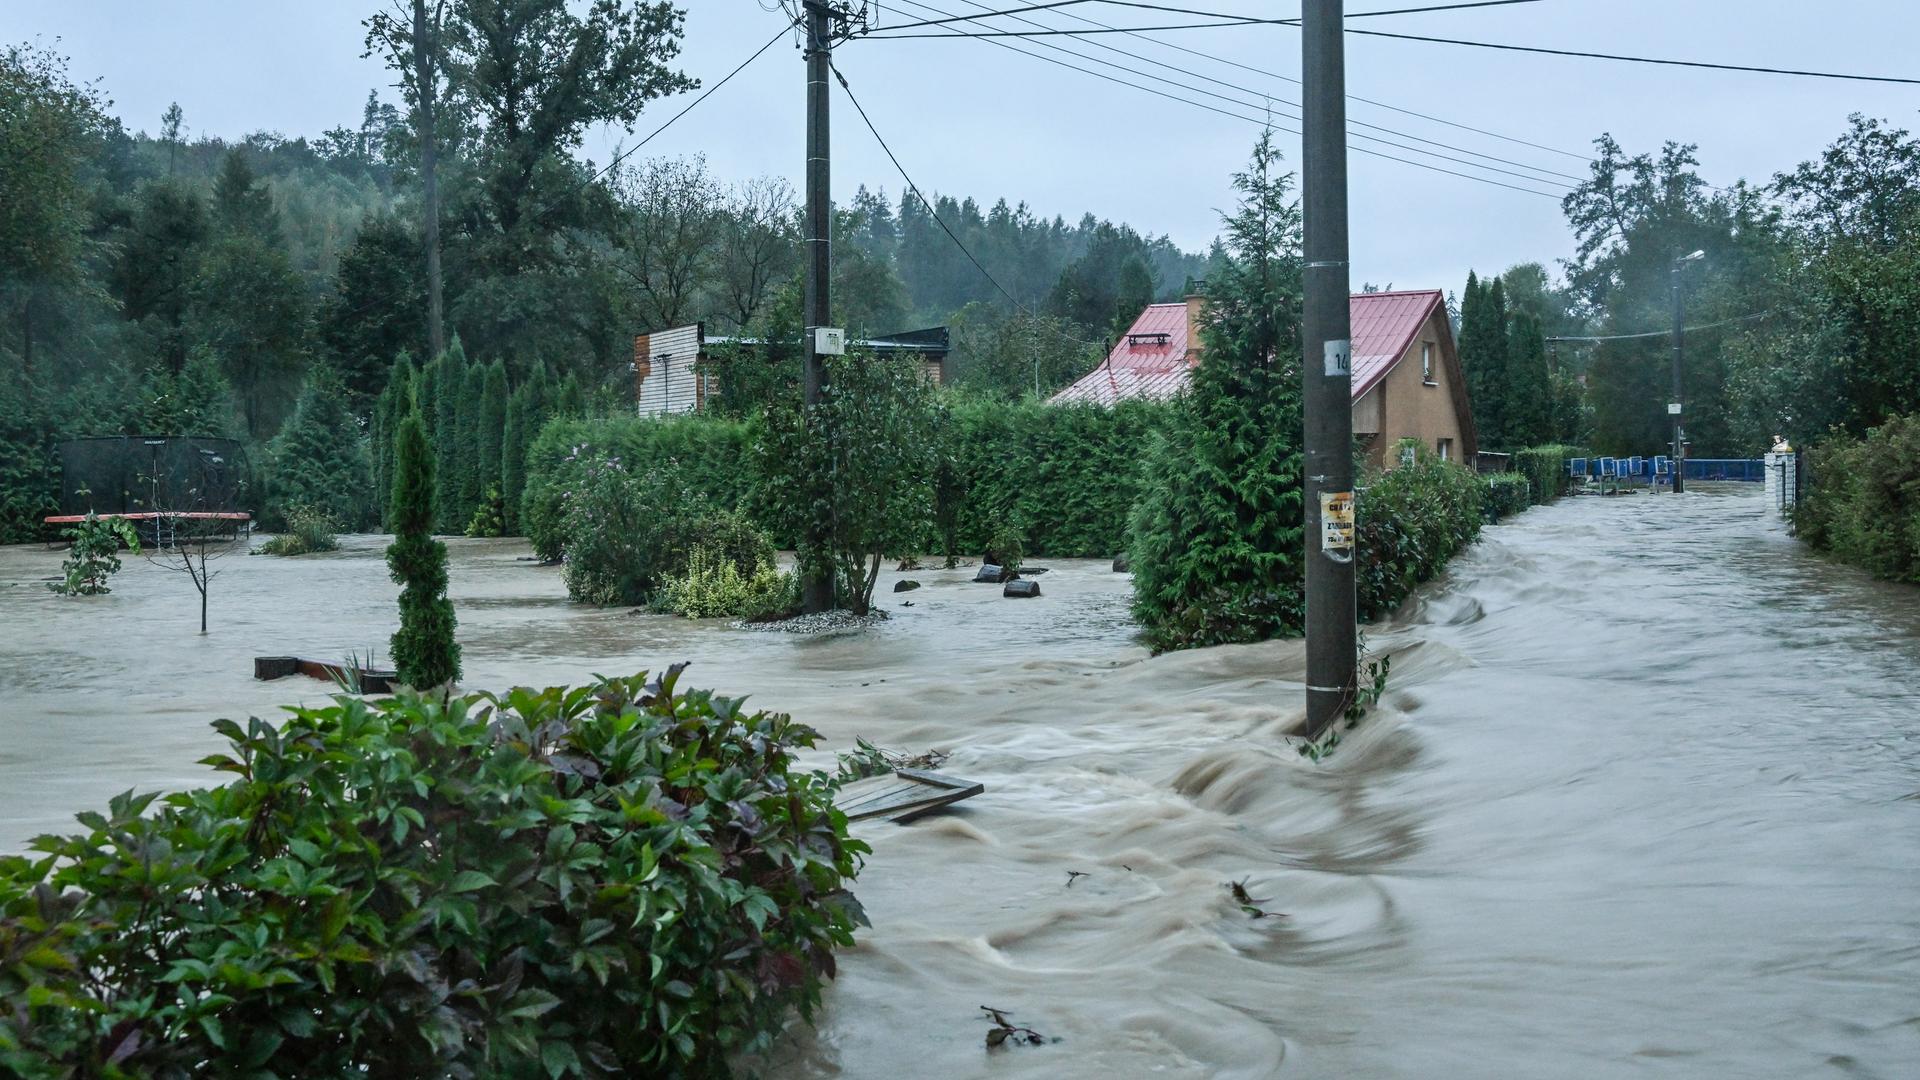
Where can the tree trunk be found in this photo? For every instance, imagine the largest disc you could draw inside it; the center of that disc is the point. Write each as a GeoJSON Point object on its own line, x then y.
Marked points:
{"type": "Point", "coordinates": [26, 334]}
{"type": "Point", "coordinates": [426, 61]}
{"type": "Point", "coordinates": [203, 607]}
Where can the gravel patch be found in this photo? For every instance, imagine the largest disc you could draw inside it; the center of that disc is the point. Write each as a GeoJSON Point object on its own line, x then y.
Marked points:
{"type": "Point", "coordinates": [826, 622]}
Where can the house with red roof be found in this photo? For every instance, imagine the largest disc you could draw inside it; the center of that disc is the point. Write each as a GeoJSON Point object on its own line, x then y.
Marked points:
{"type": "Point", "coordinates": [1407, 382]}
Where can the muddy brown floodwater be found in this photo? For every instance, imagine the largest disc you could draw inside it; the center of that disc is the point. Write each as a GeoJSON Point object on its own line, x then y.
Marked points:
{"type": "Point", "coordinates": [1644, 799]}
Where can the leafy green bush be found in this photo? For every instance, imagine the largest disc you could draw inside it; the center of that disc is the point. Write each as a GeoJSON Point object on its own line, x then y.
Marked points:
{"type": "Point", "coordinates": [1005, 545]}
{"type": "Point", "coordinates": [309, 529]}
{"type": "Point", "coordinates": [628, 533]}
{"type": "Point", "coordinates": [95, 555]}
{"type": "Point", "coordinates": [1409, 522]}
{"type": "Point", "coordinates": [713, 586]}
{"type": "Point", "coordinates": [707, 456]}
{"type": "Point", "coordinates": [1505, 494]}
{"type": "Point", "coordinates": [614, 879]}
{"type": "Point", "coordinates": [424, 651]}
{"type": "Point", "coordinates": [862, 463]}
{"type": "Point", "coordinates": [1545, 468]}
{"type": "Point", "coordinates": [1862, 503]}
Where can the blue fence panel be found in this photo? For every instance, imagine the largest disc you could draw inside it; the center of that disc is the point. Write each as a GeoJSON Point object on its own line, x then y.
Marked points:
{"type": "Point", "coordinates": [1751, 470]}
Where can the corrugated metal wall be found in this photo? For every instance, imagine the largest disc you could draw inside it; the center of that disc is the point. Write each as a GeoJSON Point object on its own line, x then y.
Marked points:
{"type": "Point", "coordinates": [666, 376]}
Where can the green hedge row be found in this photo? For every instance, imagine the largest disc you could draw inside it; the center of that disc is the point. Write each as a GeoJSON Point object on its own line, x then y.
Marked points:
{"type": "Point", "coordinates": [1862, 503]}
{"type": "Point", "coordinates": [1409, 522]}
{"type": "Point", "coordinates": [1545, 468]}
{"type": "Point", "coordinates": [1065, 478]}
{"type": "Point", "coordinates": [1505, 494]}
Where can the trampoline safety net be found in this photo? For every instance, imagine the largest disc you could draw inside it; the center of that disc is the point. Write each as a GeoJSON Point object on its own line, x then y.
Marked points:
{"type": "Point", "coordinates": [141, 473]}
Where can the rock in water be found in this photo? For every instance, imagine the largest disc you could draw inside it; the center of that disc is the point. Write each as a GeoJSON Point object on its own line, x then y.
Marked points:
{"type": "Point", "coordinates": [905, 585]}
{"type": "Point", "coordinates": [1020, 590]}
{"type": "Point", "coordinates": [1121, 565]}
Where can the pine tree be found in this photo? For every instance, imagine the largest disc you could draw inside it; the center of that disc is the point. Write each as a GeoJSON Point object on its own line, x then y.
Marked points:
{"type": "Point", "coordinates": [424, 652]}
{"type": "Point", "coordinates": [319, 458]}
{"type": "Point", "coordinates": [1529, 397]}
{"type": "Point", "coordinates": [1216, 544]}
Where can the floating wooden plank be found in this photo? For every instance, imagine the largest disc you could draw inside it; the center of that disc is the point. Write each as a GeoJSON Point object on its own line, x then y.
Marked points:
{"type": "Point", "coordinates": [903, 795]}
{"type": "Point", "coordinates": [371, 680]}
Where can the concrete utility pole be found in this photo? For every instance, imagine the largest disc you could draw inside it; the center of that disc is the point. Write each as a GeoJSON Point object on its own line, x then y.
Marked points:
{"type": "Point", "coordinates": [1676, 405]}
{"type": "Point", "coordinates": [816, 585]}
{"type": "Point", "coordinates": [1326, 371]}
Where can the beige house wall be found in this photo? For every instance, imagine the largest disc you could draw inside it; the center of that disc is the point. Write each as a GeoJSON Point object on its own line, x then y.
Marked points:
{"type": "Point", "coordinates": [1406, 405]}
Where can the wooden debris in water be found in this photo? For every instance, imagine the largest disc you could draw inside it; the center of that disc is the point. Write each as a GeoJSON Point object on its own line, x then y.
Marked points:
{"type": "Point", "coordinates": [1250, 904]}
{"type": "Point", "coordinates": [903, 795]}
{"type": "Point", "coordinates": [1005, 1031]}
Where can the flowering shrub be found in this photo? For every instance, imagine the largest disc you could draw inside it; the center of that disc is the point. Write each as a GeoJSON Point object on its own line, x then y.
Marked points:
{"type": "Point", "coordinates": [611, 880]}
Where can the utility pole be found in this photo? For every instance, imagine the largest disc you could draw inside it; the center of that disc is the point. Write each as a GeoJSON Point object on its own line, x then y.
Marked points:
{"type": "Point", "coordinates": [1675, 404]}
{"type": "Point", "coordinates": [816, 584]}
{"type": "Point", "coordinates": [1326, 370]}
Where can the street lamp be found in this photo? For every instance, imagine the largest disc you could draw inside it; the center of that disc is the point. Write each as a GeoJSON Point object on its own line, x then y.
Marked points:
{"type": "Point", "coordinates": [1674, 405]}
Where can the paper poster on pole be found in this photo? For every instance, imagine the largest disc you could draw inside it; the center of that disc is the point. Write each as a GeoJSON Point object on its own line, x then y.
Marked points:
{"type": "Point", "coordinates": [1336, 525]}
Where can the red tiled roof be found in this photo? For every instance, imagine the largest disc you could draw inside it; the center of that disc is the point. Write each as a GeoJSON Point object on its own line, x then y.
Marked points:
{"type": "Point", "coordinates": [1384, 325]}
{"type": "Point", "coordinates": [1140, 365]}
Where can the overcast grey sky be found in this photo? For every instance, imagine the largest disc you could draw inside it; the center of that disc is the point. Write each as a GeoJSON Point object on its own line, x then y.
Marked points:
{"type": "Point", "coordinates": [971, 118]}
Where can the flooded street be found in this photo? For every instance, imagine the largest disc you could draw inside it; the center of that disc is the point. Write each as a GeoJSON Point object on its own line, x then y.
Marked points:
{"type": "Point", "coordinates": [1643, 800]}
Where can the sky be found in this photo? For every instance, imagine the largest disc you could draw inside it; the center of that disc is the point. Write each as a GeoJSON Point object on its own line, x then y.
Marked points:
{"type": "Point", "coordinates": [971, 117]}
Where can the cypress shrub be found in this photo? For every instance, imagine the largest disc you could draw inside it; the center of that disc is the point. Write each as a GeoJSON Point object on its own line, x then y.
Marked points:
{"type": "Point", "coordinates": [492, 433]}
{"type": "Point", "coordinates": [394, 403]}
{"type": "Point", "coordinates": [1217, 543]}
{"type": "Point", "coordinates": [445, 435]}
{"type": "Point", "coordinates": [424, 653]}
{"type": "Point", "coordinates": [471, 444]}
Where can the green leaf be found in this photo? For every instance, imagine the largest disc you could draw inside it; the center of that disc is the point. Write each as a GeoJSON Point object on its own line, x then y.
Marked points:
{"type": "Point", "coordinates": [470, 881]}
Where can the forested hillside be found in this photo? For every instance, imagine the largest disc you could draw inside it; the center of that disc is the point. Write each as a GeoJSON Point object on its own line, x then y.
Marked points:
{"type": "Point", "coordinates": [178, 282]}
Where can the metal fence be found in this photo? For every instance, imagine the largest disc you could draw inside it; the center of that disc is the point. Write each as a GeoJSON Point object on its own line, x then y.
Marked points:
{"type": "Point", "coordinates": [139, 474]}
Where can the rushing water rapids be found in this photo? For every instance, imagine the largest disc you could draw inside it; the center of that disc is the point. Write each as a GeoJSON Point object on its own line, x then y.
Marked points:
{"type": "Point", "coordinates": [1643, 800]}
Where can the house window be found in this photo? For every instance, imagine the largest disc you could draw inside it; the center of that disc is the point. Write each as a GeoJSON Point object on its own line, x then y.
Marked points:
{"type": "Point", "coordinates": [1426, 362]}
{"type": "Point", "coordinates": [1444, 447]}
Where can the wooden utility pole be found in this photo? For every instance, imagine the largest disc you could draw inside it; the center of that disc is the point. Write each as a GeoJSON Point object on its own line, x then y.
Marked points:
{"type": "Point", "coordinates": [1326, 371]}
{"type": "Point", "coordinates": [1676, 404]}
{"type": "Point", "coordinates": [816, 583]}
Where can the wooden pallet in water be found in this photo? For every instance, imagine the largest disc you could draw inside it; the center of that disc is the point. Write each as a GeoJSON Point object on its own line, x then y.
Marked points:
{"type": "Point", "coordinates": [903, 795]}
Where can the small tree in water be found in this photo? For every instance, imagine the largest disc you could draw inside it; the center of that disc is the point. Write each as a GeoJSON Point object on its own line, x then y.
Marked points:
{"type": "Point", "coordinates": [424, 652]}
{"type": "Point", "coordinates": [1216, 545]}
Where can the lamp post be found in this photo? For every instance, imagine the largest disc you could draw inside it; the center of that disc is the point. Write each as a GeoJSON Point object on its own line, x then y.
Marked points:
{"type": "Point", "coordinates": [1674, 405]}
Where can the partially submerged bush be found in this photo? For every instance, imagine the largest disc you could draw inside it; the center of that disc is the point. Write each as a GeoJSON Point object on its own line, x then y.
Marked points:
{"type": "Point", "coordinates": [309, 529]}
{"type": "Point", "coordinates": [1505, 494]}
{"type": "Point", "coordinates": [1863, 501]}
{"type": "Point", "coordinates": [1410, 521]}
{"type": "Point", "coordinates": [616, 879]}
{"type": "Point", "coordinates": [1545, 468]}
{"type": "Point", "coordinates": [631, 532]}
{"type": "Point", "coordinates": [95, 555]}
{"type": "Point", "coordinates": [713, 587]}
{"type": "Point", "coordinates": [490, 516]}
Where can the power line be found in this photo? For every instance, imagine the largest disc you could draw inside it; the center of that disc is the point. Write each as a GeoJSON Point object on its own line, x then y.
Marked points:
{"type": "Point", "coordinates": [935, 214]}
{"type": "Point", "coordinates": [1267, 100]}
{"type": "Point", "coordinates": [1231, 20]}
{"type": "Point", "coordinates": [1664, 333]}
{"type": "Point", "coordinates": [1136, 32]}
{"type": "Point", "coordinates": [1268, 122]}
{"type": "Point", "coordinates": [1639, 59]}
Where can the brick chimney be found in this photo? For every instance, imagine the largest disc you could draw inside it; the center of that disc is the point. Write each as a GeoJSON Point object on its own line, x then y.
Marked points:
{"type": "Point", "coordinates": [1196, 317]}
